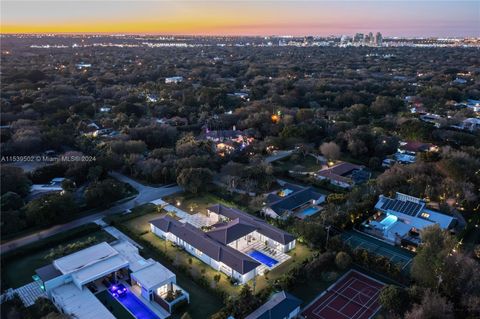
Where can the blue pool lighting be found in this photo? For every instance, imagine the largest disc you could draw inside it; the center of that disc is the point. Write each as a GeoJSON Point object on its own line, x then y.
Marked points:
{"type": "Point", "coordinates": [137, 308]}
{"type": "Point", "coordinates": [309, 211]}
{"type": "Point", "coordinates": [264, 259]}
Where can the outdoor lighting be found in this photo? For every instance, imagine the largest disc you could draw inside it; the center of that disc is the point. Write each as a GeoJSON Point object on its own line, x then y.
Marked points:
{"type": "Point", "coordinates": [178, 203]}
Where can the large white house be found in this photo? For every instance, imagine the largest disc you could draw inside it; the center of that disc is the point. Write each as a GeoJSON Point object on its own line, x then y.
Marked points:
{"type": "Point", "coordinates": [238, 244]}
{"type": "Point", "coordinates": [72, 282]}
{"type": "Point", "coordinates": [399, 220]}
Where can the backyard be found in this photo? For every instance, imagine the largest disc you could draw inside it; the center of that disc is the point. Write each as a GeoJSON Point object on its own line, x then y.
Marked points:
{"type": "Point", "coordinates": [200, 270]}
{"type": "Point", "coordinates": [136, 224]}
{"type": "Point", "coordinates": [199, 204]}
{"type": "Point", "coordinates": [203, 303]}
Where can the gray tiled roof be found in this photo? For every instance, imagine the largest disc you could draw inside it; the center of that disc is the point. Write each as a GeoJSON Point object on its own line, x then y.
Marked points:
{"type": "Point", "coordinates": [280, 305]}
{"type": "Point", "coordinates": [232, 231]}
{"type": "Point", "coordinates": [261, 226]}
{"type": "Point", "coordinates": [294, 200]}
{"type": "Point", "coordinates": [206, 244]}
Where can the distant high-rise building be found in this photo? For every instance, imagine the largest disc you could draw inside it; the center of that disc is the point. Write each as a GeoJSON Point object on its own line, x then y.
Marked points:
{"type": "Point", "coordinates": [371, 39]}
{"type": "Point", "coordinates": [378, 39]}
{"type": "Point", "coordinates": [358, 38]}
{"type": "Point", "coordinates": [344, 39]}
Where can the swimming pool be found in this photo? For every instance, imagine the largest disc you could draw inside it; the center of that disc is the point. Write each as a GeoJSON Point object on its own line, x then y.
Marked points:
{"type": "Point", "coordinates": [137, 308]}
{"type": "Point", "coordinates": [388, 221]}
{"type": "Point", "coordinates": [308, 212]}
{"type": "Point", "coordinates": [264, 259]}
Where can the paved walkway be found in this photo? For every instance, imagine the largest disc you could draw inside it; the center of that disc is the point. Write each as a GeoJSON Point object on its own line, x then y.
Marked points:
{"type": "Point", "coordinates": [199, 220]}
{"type": "Point", "coordinates": [116, 233]}
{"type": "Point", "coordinates": [278, 155]}
{"type": "Point", "coordinates": [28, 293]}
{"type": "Point", "coordinates": [177, 211]}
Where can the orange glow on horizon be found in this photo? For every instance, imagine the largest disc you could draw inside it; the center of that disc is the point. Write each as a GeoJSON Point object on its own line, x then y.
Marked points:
{"type": "Point", "coordinates": [238, 17]}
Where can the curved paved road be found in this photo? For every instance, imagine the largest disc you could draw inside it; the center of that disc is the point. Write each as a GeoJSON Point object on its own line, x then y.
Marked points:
{"type": "Point", "coordinates": [145, 195]}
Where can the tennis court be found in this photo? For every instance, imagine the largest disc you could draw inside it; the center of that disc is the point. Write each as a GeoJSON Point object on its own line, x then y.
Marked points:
{"type": "Point", "coordinates": [396, 255]}
{"type": "Point", "coordinates": [354, 295]}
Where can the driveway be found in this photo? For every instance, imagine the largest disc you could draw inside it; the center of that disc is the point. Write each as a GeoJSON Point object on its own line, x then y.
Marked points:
{"type": "Point", "coordinates": [145, 195]}
{"type": "Point", "coordinates": [278, 155]}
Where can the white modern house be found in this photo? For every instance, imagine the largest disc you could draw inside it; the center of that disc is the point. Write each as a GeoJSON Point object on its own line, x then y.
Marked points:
{"type": "Point", "coordinates": [174, 79]}
{"type": "Point", "coordinates": [72, 282]}
{"type": "Point", "coordinates": [399, 220]}
{"type": "Point", "coordinates": [237, 244]}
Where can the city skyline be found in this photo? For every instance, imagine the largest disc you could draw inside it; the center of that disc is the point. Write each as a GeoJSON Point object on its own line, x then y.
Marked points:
{"type": "Point", "coordinates": [296, 18]}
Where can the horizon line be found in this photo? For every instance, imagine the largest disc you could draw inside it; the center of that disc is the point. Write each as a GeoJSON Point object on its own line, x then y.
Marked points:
{"type": "Point", "coordinates": [231, 35]}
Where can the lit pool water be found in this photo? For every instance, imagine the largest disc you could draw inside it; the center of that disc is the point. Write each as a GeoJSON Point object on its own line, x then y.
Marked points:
{"type": "Point", "coordinates": [264, 259]}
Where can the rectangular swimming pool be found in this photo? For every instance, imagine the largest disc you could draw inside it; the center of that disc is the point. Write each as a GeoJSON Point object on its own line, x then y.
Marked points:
{"type": "Point", "coordinates": [308, 212]}
{"type": "Point", "coordinates": [137, 308]}
{"type": "Point", "coordinates": [264, 259]}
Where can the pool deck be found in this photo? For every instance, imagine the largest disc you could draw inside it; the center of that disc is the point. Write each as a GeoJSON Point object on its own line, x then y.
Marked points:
{"type": "Point", "coordinates": [278, 255]}
{"type": "Point", "coordinates": [135, 290]}
{"type": "Point", "coordinates": [302, 214]}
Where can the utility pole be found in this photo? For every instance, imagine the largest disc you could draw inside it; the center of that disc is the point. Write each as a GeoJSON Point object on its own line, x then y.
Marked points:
{"type": "Point", "coordinates": [328, 235]}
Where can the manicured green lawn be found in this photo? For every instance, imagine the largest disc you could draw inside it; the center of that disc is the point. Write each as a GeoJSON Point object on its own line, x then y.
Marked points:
{"type": "Point", "coordinates": [298, 255]}
{"type": "Point", "coordinates": [199, 204]}
{"type": "Point", "coordinates": [113, 306]}
{"type": "Point", "coordinates": [308, 164]}
{"type": "Point", "coordinates": [18, 271]}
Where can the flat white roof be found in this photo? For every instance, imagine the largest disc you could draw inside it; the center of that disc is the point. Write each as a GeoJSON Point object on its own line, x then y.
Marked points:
{"type": "Point", "coordinates": [443, 220]}
{"type": "Point", "coordinates": [130, 253]}
{"type": "Point", "coordinates": [82, 304]}
{"type": "Point", "coordinates": [397, 228]}
{"type": "Point", "coordinates": [99, 269]}
{"type": "Point", "coordinates": [84, 258]}
{"type": "Point", "coordinates": [154, 276]}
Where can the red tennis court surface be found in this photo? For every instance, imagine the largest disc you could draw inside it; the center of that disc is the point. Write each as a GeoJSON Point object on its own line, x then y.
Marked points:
{"type": "Point", "coordinates": [353, 296]}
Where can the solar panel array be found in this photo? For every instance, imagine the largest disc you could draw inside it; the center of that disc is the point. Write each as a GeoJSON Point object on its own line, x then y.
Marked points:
{"type": "Point", "coordinates": [404, 207]}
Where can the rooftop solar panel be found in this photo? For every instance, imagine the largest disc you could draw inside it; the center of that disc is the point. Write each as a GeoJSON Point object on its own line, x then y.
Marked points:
{"type": "Point", "coordinates": [406, 207]}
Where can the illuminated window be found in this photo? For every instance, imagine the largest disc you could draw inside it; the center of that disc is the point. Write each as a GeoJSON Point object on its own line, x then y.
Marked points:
{"type": "Point", "coordinates": [425, 215]}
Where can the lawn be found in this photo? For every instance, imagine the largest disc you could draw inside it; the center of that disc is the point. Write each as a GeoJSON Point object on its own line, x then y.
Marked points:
{"type": "Point", "coordinates": [18, 271]}
{"type": "Point", "coordinates": [113, 306]}
{"type": "Point", "coordinates": [298, 255]}
{"type": "Point", "coordinates": [198, 204]}
{"type": "Point", "coordinates": [307, 164]}
{"type": "Point", "coordinates": [199, 269]}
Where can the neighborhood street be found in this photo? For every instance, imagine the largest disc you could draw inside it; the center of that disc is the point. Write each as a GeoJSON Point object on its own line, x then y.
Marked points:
{"type": "Point", "coordinates": [145, 194]}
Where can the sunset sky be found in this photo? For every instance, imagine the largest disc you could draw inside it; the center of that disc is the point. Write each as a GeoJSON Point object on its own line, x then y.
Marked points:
{"type": "Point", "coordinates": [246, 17]}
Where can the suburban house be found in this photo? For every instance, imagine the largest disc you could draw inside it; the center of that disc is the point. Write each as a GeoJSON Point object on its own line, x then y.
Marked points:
{"type": "Point", "coordinates": [407, 151]}
{"type": "Point", "coordinates": [174, 79]}
{"type": "Point", "coordinates": [241, 95]}
{"type": "Point", "coordinates": [228, 141]}
{"type": "Point", "coordinates": [281, 305]}
{"type": "Point", "coordinates": [431, 118]}
{"type": "Point", "coordinates": [55, 185]}
{"type": "Point", "coordinates": [173, 121]}
{"type": "Point", "coordinates": [344, 174]}
{"type": "Point", "coordinates": [237, 244]}
{"type": "Point", "coordinates": [73, 281]}
{"type": "Point", "coordinates": [399, 220]}
{"type": "Point", "coordinates": [471, 124]}
{"type": "Point", "coordinates": [293, 200]}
